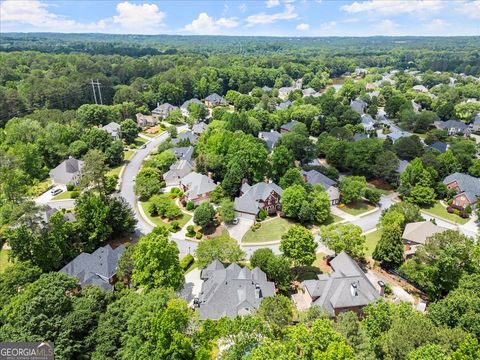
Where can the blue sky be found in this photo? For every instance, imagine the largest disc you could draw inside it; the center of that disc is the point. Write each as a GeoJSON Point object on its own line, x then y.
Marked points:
{"type": "Point", "coordinates": [270, 17]}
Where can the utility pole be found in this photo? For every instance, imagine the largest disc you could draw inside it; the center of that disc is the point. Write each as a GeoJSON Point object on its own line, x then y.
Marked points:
{"type": "Point", "coordinates": [94, 92]}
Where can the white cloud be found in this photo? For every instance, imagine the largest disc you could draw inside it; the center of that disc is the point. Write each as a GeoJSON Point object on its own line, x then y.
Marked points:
{"type": "Point", "coordinates": [206, 24]}
{"type": "Point", "coordinates": [328, 25]}
{"type": "Point", "coordinates": [351, 20]}
{"type": "Point", "coordinates": [393, 7]}
{"type": "Point", "coordinates": [130, 16]}
{"type": "Point", "coordinates": [242, 7]}
{"type": "Point", "coordinates": [387, 27]}
{"type": "Point", "coordinates": [262, 18]}
{"type": "Point", "coordinates": [470, 8]}
{"type": "Point", "coordinates": [303, 27]}
{"type": "Point", "coordinates": [272, 3]}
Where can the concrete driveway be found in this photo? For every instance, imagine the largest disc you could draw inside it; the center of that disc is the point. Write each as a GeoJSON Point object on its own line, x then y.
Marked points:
{"type": "Point", "coordinates": [47, 196]}
{"type": "Point", "coordinates": [237, 231]}
{"type": "Point", "coordinates": [193, 286]}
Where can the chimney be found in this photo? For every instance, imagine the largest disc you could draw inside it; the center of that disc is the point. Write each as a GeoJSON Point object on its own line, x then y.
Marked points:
{"type": "Point", "coordinates": [353, 289]}
{"type": "Point", "coordinates": [209, 174]}
{"type": "Point", "coordinates": [158, 104]}
{"type": "Point", "coordinates": [196, 302]}
{"type": "Point", "coordinates": [258, 292]}
{"type": "Point", "coordinates": [381, 284]}
{"type": "Point", "coordinates": [244, 181]}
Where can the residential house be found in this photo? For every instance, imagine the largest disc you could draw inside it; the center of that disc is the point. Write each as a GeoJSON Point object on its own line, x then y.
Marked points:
{"type": "Point", "coordinates": [287, 127]}
{"type": "Point", "coordinates": [197, 187]}
{"type": "Point", "coordinates": [184, 106]}
{"type": "Point", "coordinates": [199, 128]}
{"type": "Point", "coordinates": [402, 165]}
{"type": "Point", "coordinates": [310, 92]}
{"type": "Point", "coordinates": [67, 172]}
{"type": "Point", "coordinates": [42, 216]}
{"type": "Point", "coordinates": [163, 111]}
{"type": "Point", "coordinates": [439, 146]}
{"type": "Point", "coordinates": [416, 107]}
{"type": "Point", "coordinates": [215, 100]}
{"type": "Point", "coordinates": [187, 135]}
{"type": "Point", "coordinates": [360, 72]}
{"type": "Point", "coordinates": [360, 136]}
{"type": "Point", "coordinates": [266, 89]}
{"type": "Point", "coordinates": [476, 124]}
{"type": "Point", "coordinates": [367, 122]}
{"type": "Point", "coordinates": [420, 89]}
{"type": "Point", "coordinates": [397, 133]}
{"type": "Point", "coordinates": [178, 170]}
{"type": "Point", "coordinates": [270, 137]}
{"type": "Point", "coordinates": [454, 127]}
{"type": "Point", "coordinates": [145, 120]}
{"type": "Point", "coordinates": [358, 106]}
{"type": "Point", "coordinates": [253, 198]}
{"type": "Point", "coordinates": [284, 105]}
{"type": "Point", "coordinates": [98, 268]}
{"type": "Point", "coordinates": [347, 288]}
{"type": "Point", "coordinates": [370, 86]}
{"type": "Point", "coordinates": [113, 129]}
{"type": "Point", "coordinates": [467, 188]}
{"type": "Point", "coordinates": [183, 153]}
{"type": "Point", "coordinates": [313, 177]}
{"type": "Point", "coordinates": [284, 92]}
{"type": "Point", "coordinates": [232, 291]}
{"type": "Point", "coordinates": [417, 233]}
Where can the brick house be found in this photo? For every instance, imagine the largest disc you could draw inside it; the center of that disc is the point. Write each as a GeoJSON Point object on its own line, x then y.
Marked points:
{"type": "Point", "coordinates": [256, 197]}
{"type": "Point", "coordinates": [467, 188]}
{"type": "Point", "coordinates": [197, 187]}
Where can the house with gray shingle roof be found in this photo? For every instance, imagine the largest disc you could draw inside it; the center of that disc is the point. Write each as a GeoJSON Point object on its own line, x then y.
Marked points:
{"type": "Point", "coordinates": [454, 127]}
{"type": "Point", "coordinates": [420, 89]}
{"type": "Point", "coordinates": [256, 197]}
{"type": "Point", "coordinates": [270, 137]}
{"type": "Point", "coordinates": [368, 122]}
{"type": "Point", "coordinates": [288, 126]}
{"type": "Point", "coordinates": [310, 92]}
{"type": "Point", "coordinates": [358, 106]}
{"type": "Point", "coordinates": [178, 170]}
{"type": "Point", "coordinates": [232, 291]}
{"type": "Point", "coordinates": [284, 105]}
{"type": "Point", "coordinates": [183, 153]}
{"type": "Point", "coordinates": [145, 120]}
{"type": "Point", "coordinates": [187, 135]}
{"type": "Point", "coordinates": [345, 289]}
{"type": "Point", "coordinates": [402, 165]}
{"type": "Point", "coordinates": [98, 268]}
{"type": "Point", "coordinates": [466, 186]}
{"type": "Point", "coordinates": [215, 100]}
{"type": "Point", "coordinates": [417, 233]}
{"type": "Point", "coordinates": [265, 88]}
{"type": "Point", "coordinates": [197, 187]}
{"type": "Point", "coordinates": [476, 123]}
{"type": "Point", "coordinates": [439, 146]}
{"type": "Point", "coordinates": [67, 172]}
{"type": "Point", "coordinates": [199, 128]}
{"type": "Point", "coordinates": [283, 92]}
{"type": "Point", "coordinates": [313, 177]}
{"type": "Point", "coordinates": [113, 129]}
{"type": "Point", "coordinates": [184, 107]}
{"type": "Point", "coordinates": [163, 111]}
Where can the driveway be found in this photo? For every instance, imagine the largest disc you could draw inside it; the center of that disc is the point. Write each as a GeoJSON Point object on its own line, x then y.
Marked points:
{"type": "Point", "coordinates": [47, 196]}
{"type": "Point", "coordinates": [370, 221]}
{"type": "Point", "coordinates": [237, 231]}
{"type": "Point", "coordinates": [192, 287]}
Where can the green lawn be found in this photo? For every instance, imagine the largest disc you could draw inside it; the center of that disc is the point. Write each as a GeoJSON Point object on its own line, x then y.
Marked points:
{"type": "Point", "coordinates": [127, 155]}
{"type": "Point", "coordinates": [115, 171]}
{"type": "Point", "coordinates": [381, 191]}
{"type": "Point", "coordinates": [440, 211]}
{"type": "Point", "coordinates": [139, 141]}
{"type": "Point", "coordinates": [63, 195]}
{"type": "Point", "coordinates": [159, 221]}
{"type": "Point", "coordinates": [371, 241]}
{"type": "Point", "coordinates": [270, 230]}
{"type": "Point", "coordinates": [39, 188]}
{"type": "Point", "coordinates": [357, 208]}
{"type": "Point", "coordinates": [3, 259]}
{"type": "Point", "coordinates": [332, 220]}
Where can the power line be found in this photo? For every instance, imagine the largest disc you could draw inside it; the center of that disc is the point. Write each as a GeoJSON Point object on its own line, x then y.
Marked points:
{"type": "Point", "coordinates": [99, 91]}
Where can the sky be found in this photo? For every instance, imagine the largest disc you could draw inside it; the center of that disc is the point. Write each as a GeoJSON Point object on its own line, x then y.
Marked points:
{"type": "Point", "coordinates": [262, 18]}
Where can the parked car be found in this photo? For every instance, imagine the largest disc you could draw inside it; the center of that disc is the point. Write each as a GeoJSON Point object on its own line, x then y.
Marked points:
{"type": "Point", "coordinates": [56, 191]}
{"type": "Point", "coordinates": [235, 221]}
{"type": "Point", "coordinates": [143, 146]}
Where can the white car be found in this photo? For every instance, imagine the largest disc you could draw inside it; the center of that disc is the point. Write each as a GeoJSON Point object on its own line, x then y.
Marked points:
{"type": "Point", "coordinates": [56, 191]}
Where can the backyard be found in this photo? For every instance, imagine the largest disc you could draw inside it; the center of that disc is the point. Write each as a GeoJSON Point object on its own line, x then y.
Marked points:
{"type": "Point", "coordinates": [357, 207]}
{"type": "Point", "coordinates": [439, 210]}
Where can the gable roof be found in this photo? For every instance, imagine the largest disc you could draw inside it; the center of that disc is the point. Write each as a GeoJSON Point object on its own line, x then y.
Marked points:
{"type": "Point", "coordinates": [178, 169]}
{"type": "Point", "coordinates": [468, 184]}
{"type": "Point", "coordinates": [183, 153]}
{"type": "Point", "coordinates": [199, 128]}
{"type": "Point", "coordinates": [314, 177]}
{"type": "Point", "coordinates": [418, 232]}
{"type": "Point", "coordinates": [252, 196]}
{"type": "Point", "coordinates": [346, 287]}
{"type": "Point", "coordinates": [451, 124]}
{"type": "Point", "coordinates": [164, 109]}
{"type": "Point", "coordinates": [112, 128]}
{"type": "Point", "coordinates": [402, 165]}
{"type": "Point", "coordinates": [67, 170]}
{"type": "Point", "coordinates": [232, 291]}
{"type": "Point", "coordinates": [358, 106]}
{"type": "Point", "coordinates": [216, 99]}
{"type": "Point", "coordinates": [270, 137]}
{"type": "Point", "coordinates": [197, 184]}
{"type": "Point", "coordinates": [96, 268]}
{"type": "Point", "coordinates": [288, 126]}
{"type": "Point", "coordinates": [188, 102]}
{"type": "Point", "coordinates": [439, 146]}
{"type": "Point", "coordinates": [187, 135]}
{"type": "Point", "coordinates": [265, 88]}
{"type": "Point", "coordinates": [477, 119]}
{"type": "Point", "coordinates": [284, 105]}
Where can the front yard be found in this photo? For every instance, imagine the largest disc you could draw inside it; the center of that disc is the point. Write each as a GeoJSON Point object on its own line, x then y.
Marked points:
{"type": "Point", "coordinates": [372, 239]}
{"type": "Point", "coordinates": [438, 210]}
{"type": "Point", "coordinates": [357, 207]}
{"type": "Point", "coordinates": [63, 195]}
{"type": "Point", "coordinates": [270, 230]}
{"type": "Point", "coordinates": [157, 220]}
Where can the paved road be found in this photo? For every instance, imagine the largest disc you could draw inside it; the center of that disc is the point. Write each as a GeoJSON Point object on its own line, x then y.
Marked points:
{"type": "Point", "coordinates": [369, 222]}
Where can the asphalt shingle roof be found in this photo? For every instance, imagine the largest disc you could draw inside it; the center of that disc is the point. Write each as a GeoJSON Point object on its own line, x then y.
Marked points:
{"type": "Point", "coordinates": [253, 196]}
{"type": "Point", "coordinates": [468, 184]}
{"type": "Point", "coordinates": [197, 185]}
{"type": "Point", "coordinates": [314, 177]}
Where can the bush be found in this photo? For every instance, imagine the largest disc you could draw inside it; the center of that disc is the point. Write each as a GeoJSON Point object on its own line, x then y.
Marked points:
{"type": "Point", "coordinates": [74, 194]}
{"type": "Point", "coordinates": [468, 209]}
{"type": "Point", "coordinates": [262, 215]}
{"type": "Point", "coordinates": [190, 231]}
{"type": "Point", "coordinates": [372, 195]}
{"type": "Point", "coordinates": [186, 261]}
{"type": "Point", "coordinates": [175, 226]}
{"type": "Point", "coordinates": [463, 214]}
{"type": "Point", "coordinates": [456, 211]}
{"type": "Point", "coordinates": [176, 192]}
{"type": "Point", "coordinates": [388, 289]}
{"type": "Point", "coordinates": [70, 187]}
{"type": "Point", "coordinates": [450, 210]}
{"type": "Point", "coordinates": [190, 206]}
{"type": "Point", "coordinates": [198, 235]}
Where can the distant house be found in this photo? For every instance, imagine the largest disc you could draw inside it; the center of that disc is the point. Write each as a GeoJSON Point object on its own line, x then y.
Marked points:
{"type": "Point", "coordinates": [98, 268]}
{"type": "Point", "coordinates": [417, 233]}
{"type": "Point", "coordinates": [113, 129]}
{"type": "Point", "coordinates": [476, 124]}
{"type": "Point", "coordinates": [397, 133]}
{"type": "Point", "coordinates": [163, 111]}
{"type": "Point", "coordinates": [439, 146]}
{"type": "Point", "coordinates": [183, 153]}
{"type": "Point", "coordinates": [42, 216]}
{"type": "Point", "coordinates": [177, 171]}
{"type": "Point", "coordinates": [358, 106]}
{"type": "Point", "coordinates": [367, 122]}
{"type": "Point", "coordinates": [199, 128]}
{"type": "Point", "coordinates": [314, 177]}
{"type": "Point", "coordinates": [215, 100]}
{"type": "Point", "coordinates": [256, 197]}
{"type": "Point", "coordinates": [345, 289]}
{"type": "Point", "coordinates": [359, 136]}
{"type": "Point", "coordinates": [467, 188]}
{"type": "Point", "coordinates": [284, 92]}
{"type": "Point", "coordinates": [197, 187]}
{"type": "Point", "coordinates": [454, 127]}
{"type": "Point", "coordinates": [266, 88]}
{"type": "Point", "coordinates": [270, 137]}
{"type": "Point", "coordinates": [145, 120]}
{"type": "Point", "coordinates": [283, 105]}
{"type": "Point", "coordinates": [232, 291]}
{"type": "Point", "coordinates": [184, 107]}
{"type": "Point", "coordinates": [402, 165]}
{"type": "Point", "coordinates": [420, 89]}
{"type": "Point", "coordinates": [288, 126]}
{"type": "Point", "coordinates": [416, 107]}
{"type": "Point", "coordinates": [310, 92]}
{"type": "Point", "coordinates": [187, 135]}
{"type": "Point", "coordinates": [370, 86]}
{"type": "Point", "coordinates": [68, 172]}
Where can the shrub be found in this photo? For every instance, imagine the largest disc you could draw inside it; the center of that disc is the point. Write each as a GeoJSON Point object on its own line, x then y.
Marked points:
{"type": "Point", "coordinates": [70, 187]}
{"type": "Point", "coordinates": [456, 211]}
{"type": "Point", "coordinates": [468, 209]}
{"type": "Point", "coordinates": [74, 194]}
{"type": "Point", "coordinates": [372, 195]}
{"type": "Point", "coordinates": [262, 215]}
{"type": "Point", "coordinates": [463, 214]}
{"type": "Point", "coordinates": [190, 231]}
{"type": "Point", "coordinates": [450, 210]}
{"type": "Point", "coordinates": [186, 261]}
{"type": "Point", "coordinates": [388, 289]}
{"type": "Point", "coordinates": [175, 226]}
{"type": "Point", "coordinates": [198, 235]}
{"type": "Point", "coordinates": [176, 191]}
{"type": "Point", "coordinates": [190, 206]}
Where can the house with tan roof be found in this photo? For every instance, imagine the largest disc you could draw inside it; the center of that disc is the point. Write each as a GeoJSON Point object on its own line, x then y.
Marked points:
{"type": "Point", "coordinates": [417, 233]}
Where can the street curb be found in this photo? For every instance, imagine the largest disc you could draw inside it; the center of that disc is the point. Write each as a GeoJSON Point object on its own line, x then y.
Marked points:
{"type": "Point", "coordinates": [275, 242]}
{"type": "Point", "coordinates": [370, 231]}
{"type": "Point", "coordinates": [441, 218]}
{"type": "Point", "coordinates": [377, 208]}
